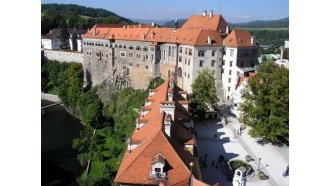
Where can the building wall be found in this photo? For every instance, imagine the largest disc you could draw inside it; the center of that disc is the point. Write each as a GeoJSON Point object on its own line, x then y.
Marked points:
{"type": "Point", "coordinates": [234, 60]}
{"type": "Point", "coordinates": [51, 44]}
{"type": "Point", "coordinates": [63, 56]}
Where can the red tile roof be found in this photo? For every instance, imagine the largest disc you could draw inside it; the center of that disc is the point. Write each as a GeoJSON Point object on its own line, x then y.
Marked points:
{"type": "Point", "coordinates": [237, 38]}
{"type": "Point", "coordinates": [155, 144]}
{"type": "Point", "coordinates": [216, 22]}
{"type": "Point", "coordinates": [196, 32]}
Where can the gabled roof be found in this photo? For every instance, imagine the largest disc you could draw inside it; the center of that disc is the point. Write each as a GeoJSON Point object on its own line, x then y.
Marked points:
{"type": "Point", "coordinates": [238, 37]}
{"type": "Point", "coordinates": [56, 33]}
{"type": "Point", "coordinates": [136, 165]}
{"type": "Point", "coordinates": [207, 22]}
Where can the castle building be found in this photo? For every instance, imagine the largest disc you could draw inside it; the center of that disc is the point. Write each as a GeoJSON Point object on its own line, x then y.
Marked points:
{"type": "Point", "coordinates": [147, 52]}
{"type": "Point", "coordinates": [162, 149]}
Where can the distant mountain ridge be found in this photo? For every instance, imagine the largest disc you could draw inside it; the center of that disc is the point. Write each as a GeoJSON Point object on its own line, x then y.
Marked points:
{"type": "Point", "coordinates": [280, 23]}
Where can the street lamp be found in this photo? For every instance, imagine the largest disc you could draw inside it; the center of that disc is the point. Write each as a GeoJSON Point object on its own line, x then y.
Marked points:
{"type": "Point", "coordinates": [259, 164]}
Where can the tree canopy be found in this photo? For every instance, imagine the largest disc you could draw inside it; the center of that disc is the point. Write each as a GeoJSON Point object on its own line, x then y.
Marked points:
{"type": "Point", "coordinates": [203, 93]}
{"type": "Point", "coordinates": [265, 105]}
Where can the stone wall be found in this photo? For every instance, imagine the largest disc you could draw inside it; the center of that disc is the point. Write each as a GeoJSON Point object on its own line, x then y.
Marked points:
{"type": "Point", "coordinates": [63, 56]}
{"type": "Point", "coordinates": [50, 97]}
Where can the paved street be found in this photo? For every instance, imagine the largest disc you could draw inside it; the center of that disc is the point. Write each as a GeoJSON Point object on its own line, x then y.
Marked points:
{"type": "Point", "coordinates": [214, 139]}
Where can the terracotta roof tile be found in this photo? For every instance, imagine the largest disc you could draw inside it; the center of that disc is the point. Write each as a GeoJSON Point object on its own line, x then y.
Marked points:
{"type": "Point", "coordinates": [153, 141]}
{"type": "Point", "coordinates": [237, 38]}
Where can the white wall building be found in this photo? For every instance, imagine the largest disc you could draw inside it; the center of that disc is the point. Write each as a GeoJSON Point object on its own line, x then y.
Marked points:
{"type": "Point", "coordinates": [240, 57]}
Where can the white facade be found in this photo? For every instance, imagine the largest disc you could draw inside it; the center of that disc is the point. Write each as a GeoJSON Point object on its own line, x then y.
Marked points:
{"type": "Point", "coordinates": [236, 99]}
{"type": "Point", "coordinates": [231, 72]}
{"type": "Point", "coordinates": [51, 44]}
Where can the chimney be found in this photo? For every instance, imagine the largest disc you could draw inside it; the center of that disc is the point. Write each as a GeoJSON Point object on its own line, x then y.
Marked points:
{"type": "Point", "coordinates": [94, 30]}
{"type": "Point", "coordinates": [143, 36]}
{"type": "Point", "coordinates": [139, 25]}
{"type": "Point", "coordinates": [209, 40]}
{"type": "Point", "coordinates": [227, 29]}
{"type": "Point", "coordinates": [124, 27]}
{"type": "Point", "coordinates": [167, 124]}
{"type": "Point", "coordinates": [129, 145]}
{"type": "Point", "coordinates": [204, 13]}
{"type": "Point", "coordinates": [153, 24]}
{"type": "Point", "coordinates": [170, 94]}
{"type": "Point", "coordinates": [211, 13]}
{"type": "Point", "coordinates": [253, 40]}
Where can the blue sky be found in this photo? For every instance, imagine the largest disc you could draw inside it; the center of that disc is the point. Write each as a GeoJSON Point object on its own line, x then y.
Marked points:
{"type": "Point", "coordinates": [234, 11]}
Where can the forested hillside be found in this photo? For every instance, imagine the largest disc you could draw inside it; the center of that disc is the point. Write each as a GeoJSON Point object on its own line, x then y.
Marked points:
{"type": "Point", "coordinates": [75, 16]}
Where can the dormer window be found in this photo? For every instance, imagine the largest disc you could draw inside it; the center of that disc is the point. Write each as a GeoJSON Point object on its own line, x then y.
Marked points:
{"type": "Point", "coordinates": [157, 166]}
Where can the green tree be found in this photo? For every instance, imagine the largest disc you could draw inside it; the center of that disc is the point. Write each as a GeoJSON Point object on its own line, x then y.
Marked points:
{"type": "Point", "coordinates": [203, 93]}
{"type": "Point", "coordinates": [266, 102]}
{"type": "Point", "coordinates": [64, 36]}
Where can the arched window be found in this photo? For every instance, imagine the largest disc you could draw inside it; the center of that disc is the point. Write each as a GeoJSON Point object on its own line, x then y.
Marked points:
{"type": "Point", "coordinates": [179, 72]}
{"type": "Point", "coordinates": [169, 51]}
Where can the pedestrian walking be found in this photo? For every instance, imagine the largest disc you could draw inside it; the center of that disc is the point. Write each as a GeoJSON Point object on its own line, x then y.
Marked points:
{"type": "Point", "coordinates": [287, 170]}
{"type": "Point", "coordinates": [240, 129]}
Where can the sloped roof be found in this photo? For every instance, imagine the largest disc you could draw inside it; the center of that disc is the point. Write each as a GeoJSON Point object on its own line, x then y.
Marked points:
{"type": "Point", "coordinates": [136, 166]}
{"type": "Point", "coordinates": [238, 37]}
{"type": "Point", "coordinates": [215, 22]}
{"type": "Point", "coordinates": [197, 31]}
{"type": "Point", "coordinates": [56, 33]}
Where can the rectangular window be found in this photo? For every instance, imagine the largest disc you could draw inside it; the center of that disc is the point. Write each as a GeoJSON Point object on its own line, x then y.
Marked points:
{"type": "Point", "coordinates": [186, 51]}
{"type": "Point", "coordinates": [147, 57]}
{"type": "Point", "coordinates": [212, 63]}
{"type": "Point", "coordinates": [229, 80]}
{"type": "Point", "coordinates": [230, 63]}
{"type": "Point", "coordinates": [228, 89]}
{"type": "Point", "coordinates": [188, 61]}
{"type": "Point", "coordinates": [130, 47]}
{"type": "Point", "coordinates": [122, 54]}
{"type": "Point", "coordinates": [152, 48]}
{"type": "Point", "coordinates": [180, 50]}
{"type": "Point", "coordinates": [229, 72]}
{"type": "Point", "coordinates": [190, 52]}
{"type": "Point", "coordinates": [201, 63]}
{"type": "Point", "coordinates": [231, 52]}
{"type": "Point", "coordinates": [130, 55]}
{"type": "Point", "coordinates": [185, 60]}
{"type": "Point", "coordinates": [213, 52]}
{"type": "Point", "coordinates": [188, 76]}
{"type": "Point", "coordinates": [201, 53]}
{"type": "Point", "coordinates": [180, 58]}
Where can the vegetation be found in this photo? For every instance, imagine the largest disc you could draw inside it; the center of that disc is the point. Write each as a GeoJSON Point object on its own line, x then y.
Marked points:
{"type": "Point", "coordinates": [281, 23]}
{"type": "Point", "coordinates": [266, 102]}
{"type": "Point", "coordinates": [114, 119]}
{"type": "Point", "coordinates": [203, 94]}
{"type": "Point", "coordinates": [75, 16]}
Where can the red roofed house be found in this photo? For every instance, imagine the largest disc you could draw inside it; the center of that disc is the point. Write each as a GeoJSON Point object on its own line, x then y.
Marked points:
{"type": "Point", "coordinates": [161, 150]}
{"type": "Point", "coordinates": [240, 57]}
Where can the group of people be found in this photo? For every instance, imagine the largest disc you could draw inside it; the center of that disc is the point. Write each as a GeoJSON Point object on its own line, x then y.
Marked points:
{"type": "Point", "coordinates": [239, 131]}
